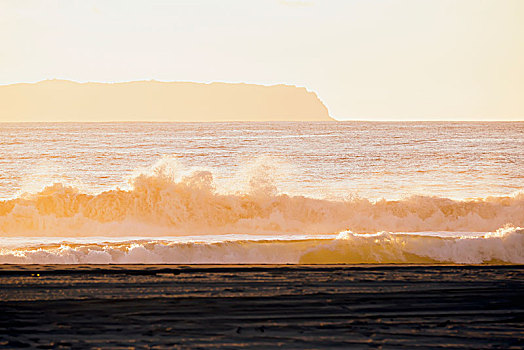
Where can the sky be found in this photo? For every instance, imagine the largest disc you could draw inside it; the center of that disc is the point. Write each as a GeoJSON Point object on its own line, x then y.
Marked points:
{"type": "Point", "coordinates": [366, 59]}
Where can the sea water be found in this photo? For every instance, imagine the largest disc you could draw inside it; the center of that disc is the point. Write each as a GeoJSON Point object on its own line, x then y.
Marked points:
{"type": "Point", "coordinates": [286, 192]}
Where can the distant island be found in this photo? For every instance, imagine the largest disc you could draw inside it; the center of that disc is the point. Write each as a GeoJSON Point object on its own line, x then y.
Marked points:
{"type": "Point", "coordinates": [63, 100]}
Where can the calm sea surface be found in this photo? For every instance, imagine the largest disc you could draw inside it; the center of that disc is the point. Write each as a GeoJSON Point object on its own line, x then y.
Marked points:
{"type": "Point", "coordinates": [323, 159]}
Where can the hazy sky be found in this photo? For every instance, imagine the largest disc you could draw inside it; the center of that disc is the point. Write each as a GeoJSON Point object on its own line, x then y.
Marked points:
{"type": "Point", "coordinates": [386, 60]}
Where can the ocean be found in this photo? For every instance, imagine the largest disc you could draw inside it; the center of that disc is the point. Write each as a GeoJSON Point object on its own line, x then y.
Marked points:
{"type": "Point", "coordinates": [256, 193]}
{"type": "Point", "coordinates": [262, 235]}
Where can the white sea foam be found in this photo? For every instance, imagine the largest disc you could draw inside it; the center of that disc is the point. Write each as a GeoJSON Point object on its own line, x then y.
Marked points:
{"type": "Point", "coordinates": [502, 246]}
{"type": "Point", "coordinates": [161, 203]}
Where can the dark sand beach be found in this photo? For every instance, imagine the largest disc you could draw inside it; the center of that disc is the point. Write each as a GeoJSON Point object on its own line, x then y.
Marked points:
{"type": "Point", "coordinates": [290, 306]}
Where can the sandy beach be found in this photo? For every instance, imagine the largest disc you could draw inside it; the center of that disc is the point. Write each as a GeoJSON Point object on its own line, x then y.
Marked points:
{"type": "Point", "coordinates": [265, 306]}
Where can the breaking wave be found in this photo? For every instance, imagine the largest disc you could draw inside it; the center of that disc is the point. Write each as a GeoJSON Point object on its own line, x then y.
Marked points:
{"type": "Point", "coordinates": [273, 227]}
{"type": "Point", "coordinates": [502, 246]}
{"type": "Point", "coordinates": [159, 203]}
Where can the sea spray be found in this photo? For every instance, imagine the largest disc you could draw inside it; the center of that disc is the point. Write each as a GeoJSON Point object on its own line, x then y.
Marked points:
{"type": "Point", "coordinates": [163, 202]}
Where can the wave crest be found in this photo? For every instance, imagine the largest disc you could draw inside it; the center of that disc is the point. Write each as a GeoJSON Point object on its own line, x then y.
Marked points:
{"type": "Point", "coordinates": [503, 246]}
{"type": "Point", "coordinates": [158, 203]}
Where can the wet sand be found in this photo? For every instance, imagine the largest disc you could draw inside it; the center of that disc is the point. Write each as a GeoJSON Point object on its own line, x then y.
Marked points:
{"type": "Point", "coordinates": [173, 306]}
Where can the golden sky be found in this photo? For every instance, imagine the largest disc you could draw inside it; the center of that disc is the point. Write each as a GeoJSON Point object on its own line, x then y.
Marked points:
{"type": "Point", "coordinates": [366, 59]}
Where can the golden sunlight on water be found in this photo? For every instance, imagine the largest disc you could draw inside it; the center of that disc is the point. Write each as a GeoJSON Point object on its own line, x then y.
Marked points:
{"type": "Point", "coordinates": [319, 159]}
{"type": "Point", "coordinates": [434, 192]}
